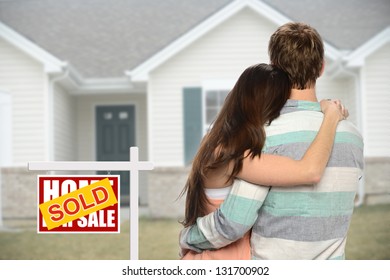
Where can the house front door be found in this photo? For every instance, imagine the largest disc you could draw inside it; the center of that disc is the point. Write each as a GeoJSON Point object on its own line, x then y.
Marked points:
{"type": "Point", "coordinates": [115, 134]}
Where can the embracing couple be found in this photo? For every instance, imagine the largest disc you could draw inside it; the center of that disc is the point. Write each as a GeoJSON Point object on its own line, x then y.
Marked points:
{"type": "Point", "coordinates": [277, 174]}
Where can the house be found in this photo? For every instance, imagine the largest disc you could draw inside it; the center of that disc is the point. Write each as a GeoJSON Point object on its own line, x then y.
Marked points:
{"type": "Point", "coordinates": [84, 80]}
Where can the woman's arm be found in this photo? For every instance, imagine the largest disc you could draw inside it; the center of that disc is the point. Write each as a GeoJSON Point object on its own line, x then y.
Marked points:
{"type": "Point", "coordinates": [284, 171]}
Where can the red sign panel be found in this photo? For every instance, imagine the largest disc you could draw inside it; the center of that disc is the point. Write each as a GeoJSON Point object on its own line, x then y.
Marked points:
{"type": "Point", "coordinates": [53, 187]}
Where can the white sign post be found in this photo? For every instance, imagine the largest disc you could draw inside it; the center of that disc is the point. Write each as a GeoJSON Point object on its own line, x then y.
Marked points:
{"type": "Point", "coordinates": [133, 166]}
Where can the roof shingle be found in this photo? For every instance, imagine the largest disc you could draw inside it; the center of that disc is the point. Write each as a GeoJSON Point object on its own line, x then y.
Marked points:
{"type": "Point", "coordinates": [104, 38]}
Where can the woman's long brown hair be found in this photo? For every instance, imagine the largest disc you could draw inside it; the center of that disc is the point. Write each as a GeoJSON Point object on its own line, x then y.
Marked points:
{"type": "Point", "coordinates": [256, 100]}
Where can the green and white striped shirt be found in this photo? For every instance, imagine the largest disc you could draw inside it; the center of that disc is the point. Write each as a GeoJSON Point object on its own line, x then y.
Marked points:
{"type": "Point", "coordinates": [301, 222]}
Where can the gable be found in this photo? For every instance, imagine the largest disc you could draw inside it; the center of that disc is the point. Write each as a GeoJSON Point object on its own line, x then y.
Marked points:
{"type": "Point", "coordinates": [51, 63]}
{"type": "Point", "coordinates": [141, 72]}
{"type": "Point", "coordinates": [345, 24]}
{"type": "Point", "coordinates": [357, 58]}
{"type": "Point", "coordinates": [103, 39]}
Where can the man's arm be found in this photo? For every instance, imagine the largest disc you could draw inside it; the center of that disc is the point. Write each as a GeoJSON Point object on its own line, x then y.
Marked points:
{"type": "Point", "coordinates": [236, 215]}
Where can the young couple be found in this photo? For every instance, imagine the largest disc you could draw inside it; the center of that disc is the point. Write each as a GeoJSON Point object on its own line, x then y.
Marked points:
{"type": "Point", "coordinates": [276, 176]}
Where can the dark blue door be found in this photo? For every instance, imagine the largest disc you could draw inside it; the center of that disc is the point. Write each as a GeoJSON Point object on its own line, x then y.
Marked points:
{"type": "Point", "coordinates": [115, 134]}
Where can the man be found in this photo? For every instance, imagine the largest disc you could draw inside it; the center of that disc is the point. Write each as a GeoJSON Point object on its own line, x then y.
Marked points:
{"type": "Point", "coordinates": [303, 222]}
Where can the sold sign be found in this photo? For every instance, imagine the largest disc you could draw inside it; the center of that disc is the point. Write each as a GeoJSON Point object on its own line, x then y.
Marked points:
{"type": "Point", "coordinates": [81, 201]}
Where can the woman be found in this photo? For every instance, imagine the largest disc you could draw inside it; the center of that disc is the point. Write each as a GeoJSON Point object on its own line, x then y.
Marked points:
{"type": "Point", "coordinates": [232, 149]}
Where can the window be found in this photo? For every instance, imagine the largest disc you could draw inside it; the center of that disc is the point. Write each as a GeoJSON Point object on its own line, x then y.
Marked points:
{"type": "Point", "coordinates": [214, 95]}
{"type": "Point", "coordinates": [214, 100]}
{"type": "Point", "coordinates": [200, 108]}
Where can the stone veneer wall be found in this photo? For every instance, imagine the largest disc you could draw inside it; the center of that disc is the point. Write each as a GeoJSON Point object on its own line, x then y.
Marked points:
{"type": "Point", "coordinates": [164, 188]}
{"type": "Point", "coordinates": [164, 185]}
{"type": "Point", "coordinates": [377, 180]}
{"type": "Point", "coordinates": [19, 190]}
{"type": "Point", "coordinates": [18, 193]}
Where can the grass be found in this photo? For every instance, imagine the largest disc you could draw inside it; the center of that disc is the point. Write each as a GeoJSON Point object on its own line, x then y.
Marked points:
{"type": "Point", "coordinates": [369, 239]}
{"type": "Point", "coordinates": [369, 236]}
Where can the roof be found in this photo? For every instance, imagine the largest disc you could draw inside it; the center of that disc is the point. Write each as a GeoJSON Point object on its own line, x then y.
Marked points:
{"type": "Point", "coordinates": [346, 24]}
{"type": "Point", "coordinates": [102, 39]}
{"type": "Point", "coordinates": [50, 62]}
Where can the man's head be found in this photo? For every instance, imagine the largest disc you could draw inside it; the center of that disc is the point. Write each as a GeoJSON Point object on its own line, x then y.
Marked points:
{"type": "Point", "coordinates": [297, 49]}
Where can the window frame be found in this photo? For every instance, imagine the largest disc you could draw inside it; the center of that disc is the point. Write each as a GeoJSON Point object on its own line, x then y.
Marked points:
{"type": "Point", "coordinates": [213, 85]}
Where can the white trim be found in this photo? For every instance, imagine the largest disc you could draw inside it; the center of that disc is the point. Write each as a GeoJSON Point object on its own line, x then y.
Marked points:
{"type": "Point", "coordinates": [279, 19]}
{"type": "Point", "coordinates": [357, 57]}
{"type": "Point", "coordinates": [331, 52]}
{"type": "Point", "coordinates": [76, 84]}
{"type": "Point", "coordinates": [51, 63]}
{"type": "Point", "coordinates": [224, 84]}
{"type": "Point", "coordinates": [51, 113]}
{"type": "Point", "coordinates": [363, 107]}
{"type": "Point", "coordinates": [213, 85]}
{"type": "Point", "coordinates": [141, 72]}
{"type": "Point", "coordinates": [149, 122]}
{"type": "Point", "coordinates": [360, 119]}
{"type": "Point", "coordinates": [104, 86]}
{"type": "Point", "coordinates": [79, 85]}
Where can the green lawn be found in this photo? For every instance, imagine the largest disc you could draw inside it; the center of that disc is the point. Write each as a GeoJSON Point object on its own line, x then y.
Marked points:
{"type": "Point", "coordinates": [369, 236]}
{"type": "Point", "coordinates": [369, 239]}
